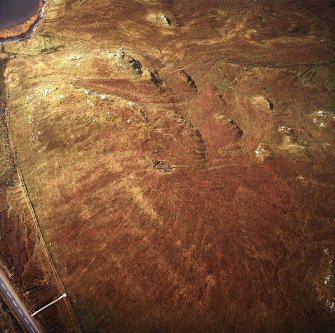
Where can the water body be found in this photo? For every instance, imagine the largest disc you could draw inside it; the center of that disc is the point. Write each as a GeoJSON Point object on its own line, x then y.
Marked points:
{"type": "Point", "coordinates": [14, 12]}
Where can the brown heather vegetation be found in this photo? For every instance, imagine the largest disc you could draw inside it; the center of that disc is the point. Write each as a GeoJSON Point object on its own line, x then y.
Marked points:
{"type": "Point", "coordinates": [180, 159]}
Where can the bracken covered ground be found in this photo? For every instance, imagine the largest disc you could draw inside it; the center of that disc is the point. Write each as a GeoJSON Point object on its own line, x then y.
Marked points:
{"type": "Point", "coordinates": [180, 158]}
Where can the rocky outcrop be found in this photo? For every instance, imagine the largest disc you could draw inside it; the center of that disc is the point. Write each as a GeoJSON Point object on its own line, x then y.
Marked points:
{"type": "Point", "coordinates": [182, 165]}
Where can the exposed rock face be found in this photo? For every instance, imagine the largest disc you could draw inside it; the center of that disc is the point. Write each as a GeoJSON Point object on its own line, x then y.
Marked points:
{"type": "Point", "coordinates": [180, 157]}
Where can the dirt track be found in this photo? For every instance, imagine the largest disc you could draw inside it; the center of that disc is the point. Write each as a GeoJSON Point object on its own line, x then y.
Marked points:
{"type": "Point", "coordinates": [182, 166]}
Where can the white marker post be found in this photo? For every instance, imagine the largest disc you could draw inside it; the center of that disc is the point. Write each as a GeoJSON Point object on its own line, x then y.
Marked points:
{"type": "Point", "coordinates": [46, 306]}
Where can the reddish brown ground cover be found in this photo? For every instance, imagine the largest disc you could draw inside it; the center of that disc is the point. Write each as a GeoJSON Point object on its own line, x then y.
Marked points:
{"type": "Point", "coordinates": [182, 167]}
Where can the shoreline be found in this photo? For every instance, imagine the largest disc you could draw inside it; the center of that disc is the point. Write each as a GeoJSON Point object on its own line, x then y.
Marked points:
{"type": "Point", "coordinates": [23, 30]}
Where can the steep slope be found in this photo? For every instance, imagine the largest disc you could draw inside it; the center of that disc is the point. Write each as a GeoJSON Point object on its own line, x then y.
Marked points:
{"type": "Point", "coordinates": [180, 157]}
